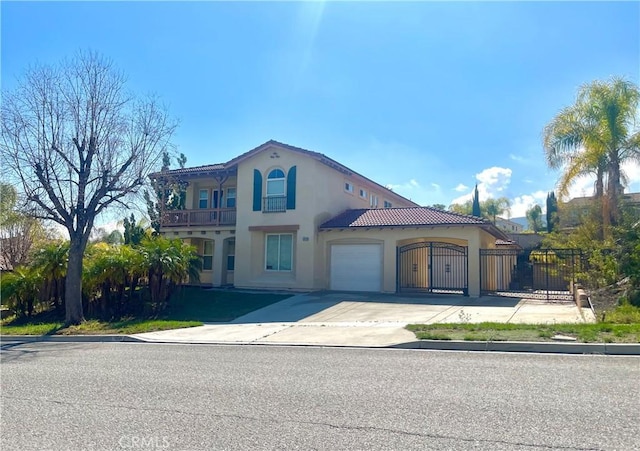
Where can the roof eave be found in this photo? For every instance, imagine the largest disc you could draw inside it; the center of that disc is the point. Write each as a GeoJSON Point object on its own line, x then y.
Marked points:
{"type": "Point", "coordinates": [397, 226]}
{"type": "Point", "coordinates": [196, 174]}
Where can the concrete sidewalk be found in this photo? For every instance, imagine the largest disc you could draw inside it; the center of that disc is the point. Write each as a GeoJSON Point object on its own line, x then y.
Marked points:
{"type": "Point", "coordinates": [374, 320]}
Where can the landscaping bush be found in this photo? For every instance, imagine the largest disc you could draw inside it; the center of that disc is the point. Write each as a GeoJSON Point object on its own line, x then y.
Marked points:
{"type": "Point", "coordinates": [118, 280]}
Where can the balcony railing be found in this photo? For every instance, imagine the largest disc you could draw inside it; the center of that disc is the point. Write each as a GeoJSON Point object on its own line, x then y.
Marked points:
{"type": "Point", "coordinates": [274, 204]}
{"type": "Point", "coordinates": [210, 217]}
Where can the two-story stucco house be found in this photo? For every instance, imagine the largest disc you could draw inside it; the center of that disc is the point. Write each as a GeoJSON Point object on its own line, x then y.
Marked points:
{"type": "Point", "coordinates": [282, 217]}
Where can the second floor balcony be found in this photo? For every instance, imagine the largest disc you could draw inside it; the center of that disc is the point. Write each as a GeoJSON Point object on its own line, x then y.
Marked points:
{"type": "Point", "coordinates": [200, 217]}
{"type": "Point", "coordinates": [274, 204]}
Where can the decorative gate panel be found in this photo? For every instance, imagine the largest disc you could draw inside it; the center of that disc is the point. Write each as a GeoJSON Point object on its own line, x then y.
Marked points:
{"type": "Point", "coordinates": [433, 266]}
{"type": "Point", "coordinates": [543, 273]}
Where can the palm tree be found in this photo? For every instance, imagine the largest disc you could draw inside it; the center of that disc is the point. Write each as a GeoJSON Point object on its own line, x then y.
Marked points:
{"type": "Point", "coordinates": [534, 218]}
{"type": "Point", "coordinates": [494, 207]}
{"type": "Point", "coordinates": [595, 136]}
{"type": "Point", "coordinates": [111, 275]}
{"type": "Point", "coordinates": [19, 290]}
{"type": "Point", "coordinates": [168, 263]}
{"type": "Point", "coordinates": [51, 261]}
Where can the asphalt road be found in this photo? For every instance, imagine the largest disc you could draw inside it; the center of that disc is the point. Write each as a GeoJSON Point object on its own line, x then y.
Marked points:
{"type": "Point", "coordinates": [108, 396]}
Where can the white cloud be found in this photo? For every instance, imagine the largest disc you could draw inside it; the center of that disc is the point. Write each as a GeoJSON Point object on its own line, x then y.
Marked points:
{"type": "Point", "coordinates": [517, 157]}
{"type": "Point", "coordinates": [581, 187]}
{"type": "Point", "coordinates": [461, 187]}
{"type": "Point", "coordinates": [491, 183]}
{"type": "Point", "coordinates": [462, 199]}
{"type": "Point", "coordinates": [493, 180]}
{"type": "Point", "coordinates": [632, 171]}
{"type": "Point", "coordinates": [584, 186]}
{"type": "Point", "coordinates": [521, 204]}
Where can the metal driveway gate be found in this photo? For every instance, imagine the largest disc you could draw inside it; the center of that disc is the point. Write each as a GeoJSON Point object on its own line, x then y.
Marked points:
{"type": "Point", "coordinates": [432, 266]}
{"type": "Point", "coordinates": [543, 273]}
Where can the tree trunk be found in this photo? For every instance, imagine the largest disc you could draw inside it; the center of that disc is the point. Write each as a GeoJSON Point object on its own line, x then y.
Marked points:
{"type": "Point", "coordinates": [613, 191]}
{"type": "Point", "coordinates": [73, 285]}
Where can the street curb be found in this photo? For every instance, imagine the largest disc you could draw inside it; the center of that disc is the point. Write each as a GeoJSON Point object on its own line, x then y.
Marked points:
{"type": "Point", "coordinates": [628, 349]}
{"type": "Point", "coordinates": [525, 346]}
{"type": "Point", "coordinates": [72, 338]}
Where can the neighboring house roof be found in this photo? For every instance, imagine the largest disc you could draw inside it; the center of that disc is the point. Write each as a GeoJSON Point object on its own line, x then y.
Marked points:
{"type": "Point", "coordinates": [511, 243]}
{"type": "Point", "coordinates": [633, 198]}
{"type": "Point", "coordinates": [406, 217]}
{"type": "Point", "coordinates": [526, 240]}
{"type": "Point", "coordinates": [194, 169]}
{"type": "Point", "coordinates": [232, 164]}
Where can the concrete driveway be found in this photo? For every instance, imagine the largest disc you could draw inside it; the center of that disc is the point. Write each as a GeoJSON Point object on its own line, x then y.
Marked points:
{"type": "Point", "coordinates": [368, 319]}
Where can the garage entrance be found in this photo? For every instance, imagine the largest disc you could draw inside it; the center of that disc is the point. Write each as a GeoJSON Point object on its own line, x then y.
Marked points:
{"type": "Point", "coordinates": [433, 266]}
{"type": "Point", "coordinates": [356, 267]}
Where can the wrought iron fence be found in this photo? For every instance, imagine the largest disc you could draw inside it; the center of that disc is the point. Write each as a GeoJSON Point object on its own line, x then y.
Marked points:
{"type": "Point", "coordinates": [549, 272]}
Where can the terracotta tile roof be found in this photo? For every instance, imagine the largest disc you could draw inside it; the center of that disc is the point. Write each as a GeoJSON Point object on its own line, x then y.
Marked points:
{"type": "Point", "coordinates": [204, 168]}
{"type": "Point", "coordinates": [393, 217]}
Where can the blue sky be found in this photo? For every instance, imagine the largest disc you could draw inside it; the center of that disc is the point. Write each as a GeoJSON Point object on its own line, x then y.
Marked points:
{"type": "Point", "coordinates": [426, 97]}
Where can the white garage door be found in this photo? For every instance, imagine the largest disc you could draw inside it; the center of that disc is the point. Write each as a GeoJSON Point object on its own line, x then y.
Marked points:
{"type": "Point", "coordinates": [356, 267]}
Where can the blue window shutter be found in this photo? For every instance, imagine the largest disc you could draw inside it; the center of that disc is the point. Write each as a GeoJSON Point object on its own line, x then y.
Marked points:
{"type": "Point", "coordinates": [291, 189]}
{"type": "Point", "coordinates": [257, 190]}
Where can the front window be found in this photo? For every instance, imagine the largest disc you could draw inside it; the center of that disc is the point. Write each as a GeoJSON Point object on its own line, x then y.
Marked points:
{"type": "Point", "coordinates": [387, 204]}
{"type": "Point", "coordinates": [279, 252]}
{"type": "Point", "coordinates": [204, 199]}
{"type": "Point", "coordinates": [374, 201]}
{"type": "Point", "coordinates": [275, 183]}
{"type": "Point", "coordinates": [231, 258]}
{"type": "Point", "coordinates": [231, 198]}
{"type": "Point", "coordinates": [207, 256]}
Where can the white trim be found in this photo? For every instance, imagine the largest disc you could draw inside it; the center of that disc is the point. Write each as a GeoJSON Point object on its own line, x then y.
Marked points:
{"type": "Point", "coordinates": [283, 179]}
{"type": "Point", "coordinates": [266, 240]}
{"type": "Point", "coordinates": [204, 254]}
{"type": "Point", "coordinates": [200, 199]}
{"type": "Point", "coordinates": [227, 197]}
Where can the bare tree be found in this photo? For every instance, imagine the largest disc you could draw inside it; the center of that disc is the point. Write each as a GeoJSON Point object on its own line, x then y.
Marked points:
{"type": "Point", "coordinates": [19, 233]}
{"type": "Point", "coordinates": [77, 142]}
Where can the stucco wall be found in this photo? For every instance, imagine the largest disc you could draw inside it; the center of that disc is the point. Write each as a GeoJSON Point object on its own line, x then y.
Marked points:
{"type": "Point", "coordinates": [465, 236]}
{"type": "Point", "coordinates": [320, 195]}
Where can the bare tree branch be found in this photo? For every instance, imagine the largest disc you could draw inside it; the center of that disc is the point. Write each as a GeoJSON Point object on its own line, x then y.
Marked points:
{"type": "Point", "coordinates": [76, 142]}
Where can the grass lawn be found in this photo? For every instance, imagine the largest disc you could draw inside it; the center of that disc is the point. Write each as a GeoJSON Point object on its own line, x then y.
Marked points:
{"type": "Point", "coordinates": [193, 303]}
{"type": "Point", "coordinates": [189, 307]}
{"type": "Point", "coordinates": [585, 333]}
{"type": "Point", "coordinates": [95, 327]}
{"type": "Point", "coordinates": [621, 325]}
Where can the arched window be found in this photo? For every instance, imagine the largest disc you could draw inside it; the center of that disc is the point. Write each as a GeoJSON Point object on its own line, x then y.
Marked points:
{"type": "Point", "coordinates": [276, 183]}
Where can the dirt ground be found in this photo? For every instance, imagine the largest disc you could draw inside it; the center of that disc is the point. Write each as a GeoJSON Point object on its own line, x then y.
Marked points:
{"type": "Point", "coordinates": [607, 298]}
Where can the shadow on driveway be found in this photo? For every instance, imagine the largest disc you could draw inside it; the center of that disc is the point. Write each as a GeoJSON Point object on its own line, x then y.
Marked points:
{"type": "Point", "coordinates": [302, 306]}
